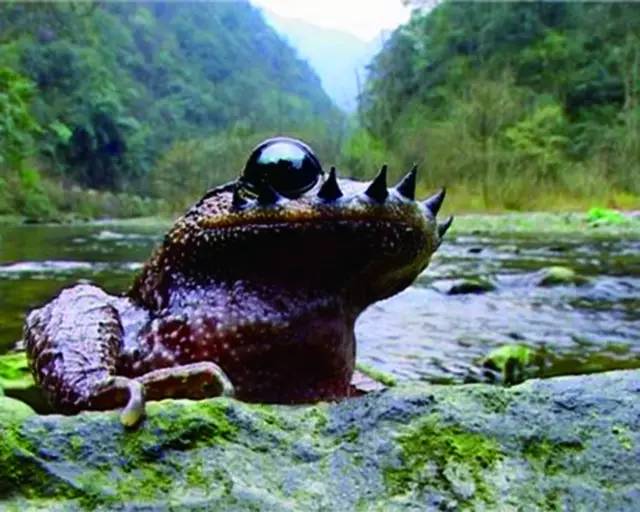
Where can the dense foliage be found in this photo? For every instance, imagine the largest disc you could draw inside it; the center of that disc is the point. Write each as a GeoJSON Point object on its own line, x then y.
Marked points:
{"type": "Point", "coordinates": [98, 93]}
{"type": "Point", "coordinates": [123, 109]}
{"type": "Point", "coordinates": [519, 104]}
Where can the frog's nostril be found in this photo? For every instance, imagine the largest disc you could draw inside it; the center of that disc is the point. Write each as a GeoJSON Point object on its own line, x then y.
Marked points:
{"type": "Point", "coordinates": [287, 165]}
{"type": "Point", "coordinates": [267, 195]}
{"type": "Point", "coordinates": [239, 202]}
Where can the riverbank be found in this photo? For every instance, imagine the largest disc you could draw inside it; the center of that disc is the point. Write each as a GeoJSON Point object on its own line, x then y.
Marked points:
{"type": "Point", "coordinates": [594, 221]}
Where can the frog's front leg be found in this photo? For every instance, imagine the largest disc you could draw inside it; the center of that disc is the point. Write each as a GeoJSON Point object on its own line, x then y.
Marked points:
{"type": "Point", "coordinates": [73, 344]}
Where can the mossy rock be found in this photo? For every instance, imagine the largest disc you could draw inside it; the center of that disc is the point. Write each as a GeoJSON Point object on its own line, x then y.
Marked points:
{"type": "Point", "coordinates": [17, 382]}
{"type": "Point", "coordinates": [541, 445]}
{"type": "Point", "coordinates": [607, 216]}
{"type": "Point", "coordinates": [14, 371]}
{"type": "Point", "coordinates": [546, 224]}
{"type": "Point", "coordinates": [500, 357]}
{"type": "Point", "coordinates": [470, 286]}
{"type": "Point", "coordinates": [513, 363]}
{"type": "Point", "coordinates": [13, 410]}
{"type": "Point", "coordinates": [559, 276]}
{"type": "Point", "coordinates": [377, 375]}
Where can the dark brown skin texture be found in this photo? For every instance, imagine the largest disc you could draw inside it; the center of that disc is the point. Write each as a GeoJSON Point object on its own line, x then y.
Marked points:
{"type": "Point", "coordinates": [251, 294]}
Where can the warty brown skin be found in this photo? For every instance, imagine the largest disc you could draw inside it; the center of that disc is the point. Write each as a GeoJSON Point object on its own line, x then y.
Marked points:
{"type": "Point", "coordinates": [249, 296]}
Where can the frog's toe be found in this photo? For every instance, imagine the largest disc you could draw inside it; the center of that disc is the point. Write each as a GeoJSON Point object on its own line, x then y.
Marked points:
{"type": "Point", "coordinates": [220, 380]}
{"type": "Point", "coordinates": [118, 392]}
{"type": "Point", "coordinates": [195, 380]}
{"type": "Point", "coordinates": [133, 412]}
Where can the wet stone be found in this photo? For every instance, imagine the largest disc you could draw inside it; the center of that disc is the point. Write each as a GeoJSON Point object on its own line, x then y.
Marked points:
{"type": "Point", "coordinates": [467, 286]}
{"type": "Point", "coordinates": [545, 443]}
{"type": "Point", "coordinates": [558, 276]}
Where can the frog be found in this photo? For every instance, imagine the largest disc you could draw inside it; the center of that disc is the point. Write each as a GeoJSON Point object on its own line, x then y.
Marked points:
{"type": "Point", "coordinates": [253, 293]}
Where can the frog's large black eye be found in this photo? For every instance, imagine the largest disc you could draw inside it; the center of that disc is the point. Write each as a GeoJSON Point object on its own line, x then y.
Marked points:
{"type": "Point", "coordinates": [288, 165]}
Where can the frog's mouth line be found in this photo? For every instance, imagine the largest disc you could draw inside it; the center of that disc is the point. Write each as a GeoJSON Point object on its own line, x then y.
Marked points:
{"type": "Point", "coordinates": [376, 204]}
{"type": "Point", "coordinates": [402, 216]}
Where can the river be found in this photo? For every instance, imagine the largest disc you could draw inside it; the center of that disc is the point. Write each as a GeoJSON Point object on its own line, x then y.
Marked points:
{"type": "Point", "coordinates": [422, 333]}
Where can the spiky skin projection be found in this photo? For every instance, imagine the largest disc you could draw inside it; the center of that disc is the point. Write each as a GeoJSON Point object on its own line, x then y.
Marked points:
{"type": "Point", "coordinates": [250, 291]}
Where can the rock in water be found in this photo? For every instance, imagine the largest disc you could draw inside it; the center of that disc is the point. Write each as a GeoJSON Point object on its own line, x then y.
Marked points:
{"type": "Point", "coordinates": [557, 275]}
{"type": "Point", "coordinates": [570, 443]}
{"type": "Point", "coordinates": [470, 286]}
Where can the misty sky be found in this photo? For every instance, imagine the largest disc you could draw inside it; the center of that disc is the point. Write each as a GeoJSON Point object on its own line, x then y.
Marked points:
{"type": "Point", "coordinates": [362, 18]}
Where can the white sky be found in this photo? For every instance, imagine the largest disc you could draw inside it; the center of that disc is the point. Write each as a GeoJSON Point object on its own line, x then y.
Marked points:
{"type": "Point", "coordinates": [362, 18]}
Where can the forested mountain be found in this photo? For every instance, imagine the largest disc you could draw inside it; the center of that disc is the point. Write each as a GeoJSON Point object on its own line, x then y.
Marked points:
{"type": "Point", "coordinates": [527, 105]}
{"type": "Point", "coordinates": [519, 104]}
{"type": "Point", "coordinates": [99, 93]}
{"type": "Point", "coordinates": [339, 58]}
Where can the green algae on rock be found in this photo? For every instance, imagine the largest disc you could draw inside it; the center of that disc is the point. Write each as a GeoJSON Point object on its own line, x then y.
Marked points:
{"type": "Point", "coordinates": [14, 371]}
{"type": "Point", "coordinates": [17, 382]}
{"type": "Point", "coordinates": [541, 445]}
{"type": "Point", "coordinates": [575, 224]}
{"type": "Point", "coordinates": [377, 375]}
{"type": "Point", "coordinates": [514, 363]}
{"type": "Point", "coordinates": [11, 409]}
{"type": "Point", "coordinates": [436, 455]}
{"type": "Point", "coordinates": [558, 276]}
{"type": "Point", "coordinates": [606, 216]}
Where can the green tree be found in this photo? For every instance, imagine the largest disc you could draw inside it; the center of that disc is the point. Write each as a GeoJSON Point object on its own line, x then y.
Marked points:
{"type": "Point", "coordinates": [118, 84]}
{"type": "Point", "coordinates": [497, 96]}
{"type": "Point", "coordinates": [17, 126]}
{"type": "Point", "coordinates": [540, 140]}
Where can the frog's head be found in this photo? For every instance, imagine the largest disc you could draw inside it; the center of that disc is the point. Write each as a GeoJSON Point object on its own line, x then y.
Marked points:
{"type": "Point", "coordinates": [287, 221]}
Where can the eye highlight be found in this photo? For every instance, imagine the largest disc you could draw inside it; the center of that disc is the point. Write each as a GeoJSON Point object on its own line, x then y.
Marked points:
{"type": "Point", "coordinates": [288, 165]}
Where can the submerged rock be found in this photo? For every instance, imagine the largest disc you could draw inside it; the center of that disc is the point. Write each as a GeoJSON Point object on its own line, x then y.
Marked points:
{"type": "Point", "coordinates": [472, 285]}
{"type": "Point", "coordinates": [568, 443]}
{"type": "Point", "coordinates": [558, 275]}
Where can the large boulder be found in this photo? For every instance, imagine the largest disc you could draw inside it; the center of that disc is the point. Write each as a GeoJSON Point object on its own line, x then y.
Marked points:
{"type": "Point", "coordinates": [569, 443]}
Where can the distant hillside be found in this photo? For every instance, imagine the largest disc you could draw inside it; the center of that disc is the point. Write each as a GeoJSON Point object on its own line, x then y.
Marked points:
{"type": "Point", "coordinates": [340, 59]}
{"type": "Point", "coordinates": [517, 104]}
{"type": "Point", "coordinates": [111, 86]}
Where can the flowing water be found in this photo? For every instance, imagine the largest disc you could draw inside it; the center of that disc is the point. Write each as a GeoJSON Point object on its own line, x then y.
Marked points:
{"type": "Point", "coordinates": [424, 332]}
